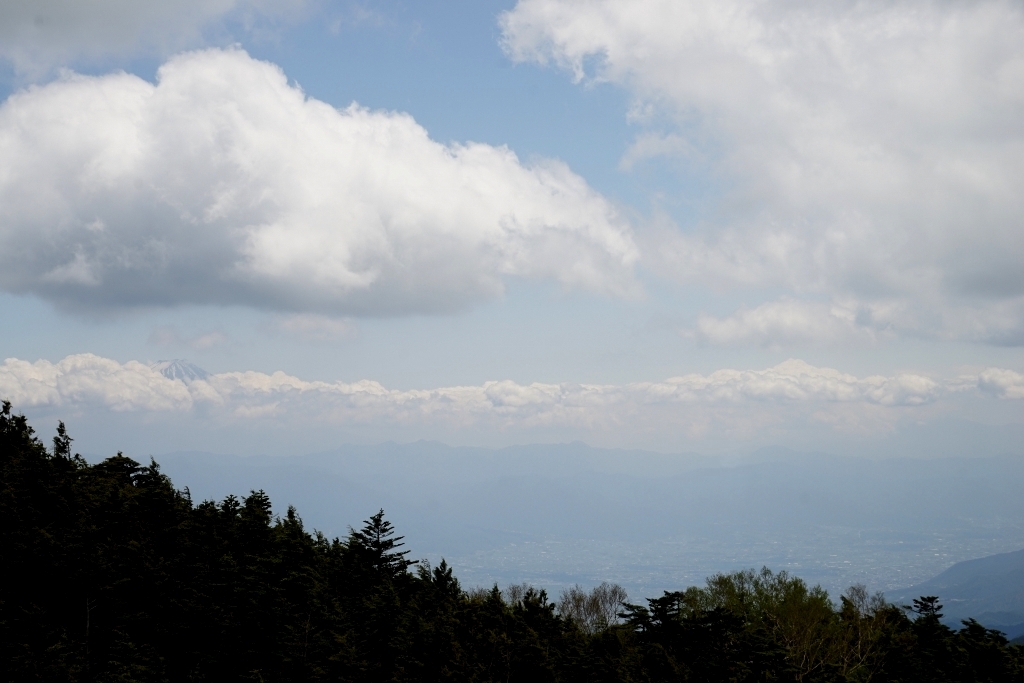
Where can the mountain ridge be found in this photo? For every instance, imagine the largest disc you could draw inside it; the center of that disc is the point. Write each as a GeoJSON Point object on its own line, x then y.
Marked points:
{"type": "Point", "coordinates": [989, 589]}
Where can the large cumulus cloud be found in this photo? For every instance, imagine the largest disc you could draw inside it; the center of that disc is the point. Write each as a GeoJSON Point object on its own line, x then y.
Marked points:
{"type": "Point", "coordinates": [223, 184]}
{"type": "Point", "coordinates": [868, 151]}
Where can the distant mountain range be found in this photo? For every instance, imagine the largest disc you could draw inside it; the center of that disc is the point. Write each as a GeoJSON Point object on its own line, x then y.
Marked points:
{"type": "Point", "coordinates": [989, 589]}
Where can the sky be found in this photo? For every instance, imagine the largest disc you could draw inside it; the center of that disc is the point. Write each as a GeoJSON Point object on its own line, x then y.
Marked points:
{"type": "Point", "coordinates": [663, 224]}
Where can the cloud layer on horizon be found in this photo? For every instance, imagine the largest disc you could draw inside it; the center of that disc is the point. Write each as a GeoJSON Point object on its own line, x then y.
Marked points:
{"type": "Point", "coordinates": [734, 402]}
{"type": "Point", "coordinates": [868, 152]}
{"type": "Point", "coordinates": [224, 184]}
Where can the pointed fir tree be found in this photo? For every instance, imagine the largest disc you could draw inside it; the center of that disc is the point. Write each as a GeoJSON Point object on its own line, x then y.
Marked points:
{"type": "Point", "coordinates": [377, 541]}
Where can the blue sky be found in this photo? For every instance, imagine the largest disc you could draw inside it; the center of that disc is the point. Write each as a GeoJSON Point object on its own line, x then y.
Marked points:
{"type": "Point", "coordinates": [679, 226]}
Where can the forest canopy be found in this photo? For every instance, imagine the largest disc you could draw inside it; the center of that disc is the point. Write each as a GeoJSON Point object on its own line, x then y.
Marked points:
{"type": "Point", "coordinates": [113, 574]}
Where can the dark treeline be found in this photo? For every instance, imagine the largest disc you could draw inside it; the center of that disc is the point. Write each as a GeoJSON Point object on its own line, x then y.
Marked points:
{"type": "Point", "coordinates": [112, 574]}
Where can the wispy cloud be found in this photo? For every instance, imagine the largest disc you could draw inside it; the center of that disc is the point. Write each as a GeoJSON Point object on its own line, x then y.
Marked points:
{"type": "Point", "coordinates": [36, 35]}
{"type": "Point", "coordinates": [779, 324]}
{"type": "Point", "coordinates": [312, 327]}
{"type": "Point", "coordinates": [168, 335]}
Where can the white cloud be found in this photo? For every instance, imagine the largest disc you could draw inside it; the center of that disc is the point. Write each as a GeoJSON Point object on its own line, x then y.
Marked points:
{"type": "Point", "coordinates": [91, 380]}
{"type": "Point", "coordinates": [223, 184]}
{"type": "Point", "coordinates": [1002, 383]}
{"type": "Point", "coordinates": [651, 145]}
{"type": "Point", "coordinates": [725, 401]}
{"type": "Point", "coordinates": [782, 323]}
{"type": "Point", "coordinates": [869, 151]}
{"type": "Point", "coordinates": [789, 322]}
{"type": "Point", "coordinates": [37, 34]}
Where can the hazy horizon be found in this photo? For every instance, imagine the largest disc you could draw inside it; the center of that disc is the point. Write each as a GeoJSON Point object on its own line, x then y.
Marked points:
{"type": "Point", "coordinates": [559, 514]}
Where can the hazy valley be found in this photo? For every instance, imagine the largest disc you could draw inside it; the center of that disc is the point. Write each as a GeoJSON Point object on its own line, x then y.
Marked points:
{"type": "Point", "coordinates": [556, 515]}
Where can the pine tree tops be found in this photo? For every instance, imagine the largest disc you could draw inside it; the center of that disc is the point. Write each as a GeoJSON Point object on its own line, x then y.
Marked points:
{"type": "Point", "coordinates": [377, 543]}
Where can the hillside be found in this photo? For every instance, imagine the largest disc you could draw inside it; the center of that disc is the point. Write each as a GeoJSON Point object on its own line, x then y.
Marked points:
{"type": "Point", "coordinates": [990, 589]}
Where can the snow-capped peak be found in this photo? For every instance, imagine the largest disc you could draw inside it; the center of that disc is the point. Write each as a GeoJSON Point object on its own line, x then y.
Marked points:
{"type": "Point", "coordinates": [180, 369]}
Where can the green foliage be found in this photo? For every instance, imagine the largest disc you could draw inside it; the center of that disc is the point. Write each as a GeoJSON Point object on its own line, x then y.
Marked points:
{"type": "Point", "coordinates": [112, 574]}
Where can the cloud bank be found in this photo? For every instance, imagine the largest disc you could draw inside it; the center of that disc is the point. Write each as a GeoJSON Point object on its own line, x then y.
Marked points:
{"type": "Point", "coordinates": [224, 184]}
{"type": "Point", "coordinates": [727, 401]}
{"type": "Point", "coordinates": [868, 151]}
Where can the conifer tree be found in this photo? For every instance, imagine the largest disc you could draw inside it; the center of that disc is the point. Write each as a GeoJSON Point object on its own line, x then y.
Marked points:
{"type": "Point", "coordinates": [378, 541]}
